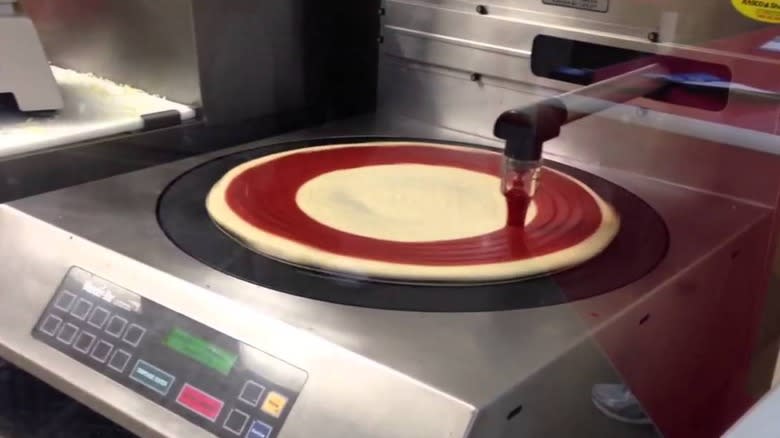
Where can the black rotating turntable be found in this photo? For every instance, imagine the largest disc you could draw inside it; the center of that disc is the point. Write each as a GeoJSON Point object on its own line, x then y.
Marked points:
{"type": "Point", "coordinates": [638, 247]}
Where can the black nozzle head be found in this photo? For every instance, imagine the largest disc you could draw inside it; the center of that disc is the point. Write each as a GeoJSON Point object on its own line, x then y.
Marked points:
{"type": "Point", "coordinates": [526, 129]}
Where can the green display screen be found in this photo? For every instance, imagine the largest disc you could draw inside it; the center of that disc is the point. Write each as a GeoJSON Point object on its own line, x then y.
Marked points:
{"type": "Point", "coordinates": [201, 351]}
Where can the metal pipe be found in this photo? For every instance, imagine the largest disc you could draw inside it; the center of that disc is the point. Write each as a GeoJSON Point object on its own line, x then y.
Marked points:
{"type": "Point", "coordinates": [526, 129]}
{"type": "Point", "coordinates": [609, 92]}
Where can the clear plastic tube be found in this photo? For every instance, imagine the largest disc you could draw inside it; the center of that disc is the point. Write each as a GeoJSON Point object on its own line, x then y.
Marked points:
{"type": "Point", "coordinates": [519, 182]}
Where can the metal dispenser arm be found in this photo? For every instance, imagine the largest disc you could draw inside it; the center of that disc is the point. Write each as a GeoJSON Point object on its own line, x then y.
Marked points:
{"type": "Point", "coordinates": [526, 129]}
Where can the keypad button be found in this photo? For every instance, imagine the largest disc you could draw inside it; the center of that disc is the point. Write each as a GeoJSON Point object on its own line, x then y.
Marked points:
{"type": "Point", "coordinates": [67, 333]}
{"type": "Point", "coordinates": [119, 360]}
{"type": "Point", "coordinates": [152, 377]}
{"type": "Point", "coordinates": [116, 325]}
{"type": "Point", "coordinates": [101, 351]}
{"type": "Point", "coordinates": [251, 393]}
{"type": "Point", "coordinates": [65, 300]}
{"type": "Point", "coordinates": [259, 430]}
{"type": "Point", "coordinates": [81, 309]}
{"type": "Point", "coordinates": [84, 342]}
{"type": "Point", "coordinates": [50, 324]}
{"type": "Point", "coordinates": [134, 334]}
{"type": "Point", "coordinates": [274, 404]}
{"type": "Point", "coordinates": [99, 317]}
{"type": "Point", "coordinates": [200, 402]}
{"type": "Point", "coordinates": [236, 421]}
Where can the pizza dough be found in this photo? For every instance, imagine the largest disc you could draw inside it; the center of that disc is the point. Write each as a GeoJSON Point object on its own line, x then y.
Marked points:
{"type": "Point", "coordinates": [405, 203]}
{"type": "Point", "coordinates": [386, 202]}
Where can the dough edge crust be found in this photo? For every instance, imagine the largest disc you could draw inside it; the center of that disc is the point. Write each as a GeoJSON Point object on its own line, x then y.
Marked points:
{"type": "Point", "coordinates": [296, 253]}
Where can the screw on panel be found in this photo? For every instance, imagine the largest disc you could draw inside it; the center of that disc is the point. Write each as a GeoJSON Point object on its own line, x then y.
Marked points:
{"type": "Point", "coordinates": [653, 36]}
{"type": "Point", "coordinates": [382, 11]}
{"type": "Point", "coordinates": [514, 412]}
{"type": "Point", "coordinates": [380, 39]}
{"type": "Point", "coordinates": [482, 10]}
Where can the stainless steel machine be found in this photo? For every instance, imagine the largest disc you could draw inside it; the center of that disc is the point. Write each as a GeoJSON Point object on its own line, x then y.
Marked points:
{"type": "Point", "coordinates": [25, 73]}
{"type": "Point", "coordinates": [195, 53]}
{"type": "Point", "coordinates": [124, 295]}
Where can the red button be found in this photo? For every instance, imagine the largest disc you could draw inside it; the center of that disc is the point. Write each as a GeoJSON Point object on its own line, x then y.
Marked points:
{"type": "Point", "coordinates": [199, 402]}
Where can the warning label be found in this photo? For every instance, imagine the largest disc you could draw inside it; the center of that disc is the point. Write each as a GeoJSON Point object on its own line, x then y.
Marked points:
{"type": "Point", "coordinates": [767, 11]}
{"type": "Point", "coordinates": [588, 5]}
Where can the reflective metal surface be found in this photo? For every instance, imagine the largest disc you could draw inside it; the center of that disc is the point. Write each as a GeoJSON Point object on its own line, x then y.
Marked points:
{"type": "Point", "coordinates": [460, 67]}
{"type": "Point", "coordinates": [689, 22]}
{"type": "Point", "coordinates": [253, 59]}
{"type": "Point", "coordinates": [35, 173]}
{"type": "Point", "coordinates": [147, 44]}
{"type": "Point", "coordinates": [450, 374]}
{"type": "Point", "coordinates": [25, 73]}
{"type": "Point", "coordinates": [452, 34]}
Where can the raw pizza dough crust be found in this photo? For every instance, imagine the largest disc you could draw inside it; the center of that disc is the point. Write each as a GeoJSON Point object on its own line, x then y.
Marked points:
{"type": "Point", "coordinates": [385, 202]}
{"type": "Point", "coordinates": [347, 201]}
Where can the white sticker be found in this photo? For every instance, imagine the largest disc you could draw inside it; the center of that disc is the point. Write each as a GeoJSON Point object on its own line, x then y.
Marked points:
{"type": "Point", "coordinates": [121, 298]}
{"type": "Point", "coordinates": [588, 5]}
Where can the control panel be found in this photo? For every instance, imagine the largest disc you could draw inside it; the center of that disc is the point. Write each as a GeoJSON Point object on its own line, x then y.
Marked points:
{"type": "Point", "coordinates": [206, 377]}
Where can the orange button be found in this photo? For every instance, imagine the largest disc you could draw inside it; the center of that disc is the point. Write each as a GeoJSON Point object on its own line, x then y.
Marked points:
{"type": "Point", "coordinates": [274, 404]}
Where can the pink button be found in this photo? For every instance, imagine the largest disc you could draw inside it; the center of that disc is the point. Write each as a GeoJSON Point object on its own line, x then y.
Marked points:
{"type": "Point", "coordinates": [200, 402]}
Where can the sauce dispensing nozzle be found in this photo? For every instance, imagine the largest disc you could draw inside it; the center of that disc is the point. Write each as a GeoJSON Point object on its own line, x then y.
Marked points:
{"type": "Point", "coordinates": [526, 129]}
